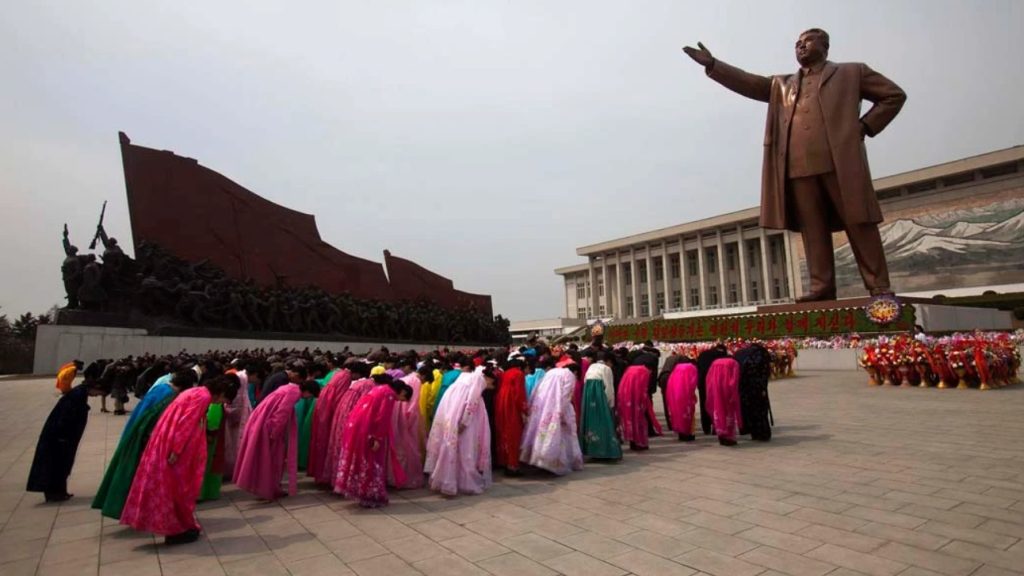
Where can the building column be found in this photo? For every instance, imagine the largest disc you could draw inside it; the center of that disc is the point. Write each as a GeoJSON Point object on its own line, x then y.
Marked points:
{"type": "Point", "coordinates": [607, 288]}
{"type": "Point", "coordinates": [766, 272]}
{"type": "Point", "coordinates": [666, 274]}
{"type": "Point", "coordinates": [741, 247]}
{"type": "Point", "coordinates": [701, 276]}
{"type": "Point", "coordinates": [650, 281]}
{"type": "Point", "coordinates": [636, 282]}
{"type": "Point", "coordinates": [723, 290]}
{"type": "Point", "coordinates": [793, 266]}
{"type": "Point", "coordinates": [683, 288]}
{"type": "Point", "coordinates": [620, 287]}
{"type": "Point", "coordinates": [592, 278]}
{"type": "Point", "coordinates": [569, 295]}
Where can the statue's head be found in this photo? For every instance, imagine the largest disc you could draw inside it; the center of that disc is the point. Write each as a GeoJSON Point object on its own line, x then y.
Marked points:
{"type": "Point", "coordinates": [112, 241]}
{"type": "Point", "coordinates": [812, 47]}
{"type": "Point", "coordinates": [73, 250]}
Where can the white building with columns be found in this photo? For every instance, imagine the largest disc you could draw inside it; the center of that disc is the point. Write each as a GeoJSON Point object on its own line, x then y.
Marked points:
{"type": "Point", "coordinates": [956, 227]}
{"type": "Point", "coordinates": [723, 262]}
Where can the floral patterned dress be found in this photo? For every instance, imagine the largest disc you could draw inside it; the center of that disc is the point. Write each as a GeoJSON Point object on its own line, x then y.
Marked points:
{"type": "Point", "coordinates": [366, 449]}
{"type": "Point", "coordinates": [163, 495]}
{"type": "Point", "coordinates": [550, 440]}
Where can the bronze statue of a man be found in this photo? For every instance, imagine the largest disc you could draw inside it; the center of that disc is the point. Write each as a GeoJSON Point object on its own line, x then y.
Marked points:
{"type": "Point", "coordinates": [815, 177]}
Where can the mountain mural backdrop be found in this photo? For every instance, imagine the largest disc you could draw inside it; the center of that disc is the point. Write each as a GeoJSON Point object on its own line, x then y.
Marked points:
{"type": "Point", "coordinates": [946, 247]}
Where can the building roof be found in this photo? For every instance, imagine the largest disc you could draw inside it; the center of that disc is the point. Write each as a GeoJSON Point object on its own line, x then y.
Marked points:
{"type": "Point", "coordinates": [687, 228]}
{"type": "Point", "coordinates": [571, 269]}
{"type": "Point", "coordinates": [1015, 153]}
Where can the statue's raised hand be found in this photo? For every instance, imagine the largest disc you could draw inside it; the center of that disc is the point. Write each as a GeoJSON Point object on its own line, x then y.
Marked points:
{"type": "Point", "coordinates": [701, 55]}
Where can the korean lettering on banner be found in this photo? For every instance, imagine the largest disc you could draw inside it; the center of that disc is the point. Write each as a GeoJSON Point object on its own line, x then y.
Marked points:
{"type": "Point", "coordinates": [821, 322]}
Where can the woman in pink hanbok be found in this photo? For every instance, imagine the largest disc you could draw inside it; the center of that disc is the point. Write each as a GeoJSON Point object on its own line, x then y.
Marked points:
{"type": "Point", "coordinates": [459, 446]}
{"type": "Point", "coordinates": [236, 416]}
{"type": "Point", "coordinates": [323, 417]}
{"type": "Point", "coordinates": [367, 448]}
{"type": "Point", "coordinates": [359, 387]}
{"type": "Point", "coordinates": [634, 407]}
{"type": "Point", "coordinates": [723, 386]}
{"type": "Point", "coordinates": [163, 495]}
{"type": "Point", "coordinates": [550, 440]}
{"type": "Point", "coordinates": [681, 399]}
{"type": "Point", "coordinates": [269, 445]}
{"type": "Point", "coordinates": [409, 435]}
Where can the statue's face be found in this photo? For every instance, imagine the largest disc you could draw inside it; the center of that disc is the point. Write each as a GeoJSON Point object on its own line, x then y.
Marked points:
{"type": "Point", "coordinates": [810, 49]}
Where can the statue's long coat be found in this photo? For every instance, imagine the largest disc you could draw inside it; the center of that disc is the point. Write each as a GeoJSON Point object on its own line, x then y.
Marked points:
{"type": "Point", "coordinates": [843, 86]}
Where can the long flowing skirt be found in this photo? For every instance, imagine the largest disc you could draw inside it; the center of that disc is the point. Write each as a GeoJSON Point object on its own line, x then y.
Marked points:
{"type": "Point", "coordinates": [597, 427]}
{"type": "Point", "coordinates": [724, 397]}
{"type": "Point", "coordinates": [304, 414]}
{"type": "Point", "coordinates": [214, 476]}
{"type": "Point", "coordinates": [117, 481]}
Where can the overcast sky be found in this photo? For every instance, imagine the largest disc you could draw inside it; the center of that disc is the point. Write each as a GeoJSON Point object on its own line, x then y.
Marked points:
{"type": "Point", "coordinates": [485, 140]}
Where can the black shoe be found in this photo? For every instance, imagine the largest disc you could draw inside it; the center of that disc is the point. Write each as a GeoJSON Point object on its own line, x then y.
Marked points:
{"type": "Point", "coordinates": [59, 497]}
{"type": "Point", "coordinates": [687, 437]}
{"type": "Point", "coordinates": [119, 412]}
{"type": "Point", "coordinates": [513, 473]}
{"type": "Point", "coordinates": [186, 537]}
{"type": "Point", "coordinates": [638, 448]}
{"type": "Point", "coordinates": [726, 441]}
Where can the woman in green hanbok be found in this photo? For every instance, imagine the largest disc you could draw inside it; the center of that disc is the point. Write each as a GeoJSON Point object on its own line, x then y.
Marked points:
{"type": "Point", "coordinates": [117, 481]}
{"type": "Point", "coordinates": [598, 438]}
{"type": "Point", "coordinates": [214, 477]}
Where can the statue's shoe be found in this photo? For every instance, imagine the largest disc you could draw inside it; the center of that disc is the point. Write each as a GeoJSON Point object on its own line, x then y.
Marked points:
{"type": "Point", "coordinates": [817, 296]}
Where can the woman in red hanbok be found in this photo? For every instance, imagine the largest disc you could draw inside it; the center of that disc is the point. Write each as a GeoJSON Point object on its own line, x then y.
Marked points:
{"type": "Point", "coordinates": [323, 416]}
{"type": "Point", "coordinates": [681, 399]}
{"type": "Point", "coordinates": [634, 406]}
{"type": "Point", "coordinates": [359, 387]}
{"type": "Point", "coordinates": [724, 399]}
{"type": "Point", "coordinates": [511, 408]}
{"type": "Point", "coordinates": [163, 495]}
{"type": "Point", "coordinates": [367, 450]}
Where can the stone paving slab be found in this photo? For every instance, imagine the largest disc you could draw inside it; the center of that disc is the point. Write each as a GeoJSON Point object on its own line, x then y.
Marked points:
{"type": "Point", "coordinates": [857, 480]}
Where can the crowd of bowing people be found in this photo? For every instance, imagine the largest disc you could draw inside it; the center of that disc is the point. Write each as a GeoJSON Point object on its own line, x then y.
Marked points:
{"type": "Point", "coordinates": [361, 425]}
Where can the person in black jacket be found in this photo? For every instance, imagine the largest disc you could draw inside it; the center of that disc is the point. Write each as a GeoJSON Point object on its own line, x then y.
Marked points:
{"type": "Point", "coordinates": [58, 443]}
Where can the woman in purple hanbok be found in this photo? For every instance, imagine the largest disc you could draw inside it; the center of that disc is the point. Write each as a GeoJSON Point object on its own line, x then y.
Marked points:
{"type": "Point", "coordinates": [459, 446]}
{"type": "Point", "coordinates": [550, 440]}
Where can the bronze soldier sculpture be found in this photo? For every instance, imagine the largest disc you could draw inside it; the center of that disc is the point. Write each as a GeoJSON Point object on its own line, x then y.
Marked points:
{"type": "Point", "coordinates": [815, 177]}
{"type": "Point", "coordinates": [71, 270]}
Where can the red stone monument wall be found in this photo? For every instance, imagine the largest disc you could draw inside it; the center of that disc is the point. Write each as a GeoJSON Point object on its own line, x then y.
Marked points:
{"type": "Point", "coordinates": [198, 214]}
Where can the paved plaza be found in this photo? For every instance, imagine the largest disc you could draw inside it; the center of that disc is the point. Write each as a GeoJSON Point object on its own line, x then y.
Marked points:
{"type": "Point", "coordinates": [858, 480]}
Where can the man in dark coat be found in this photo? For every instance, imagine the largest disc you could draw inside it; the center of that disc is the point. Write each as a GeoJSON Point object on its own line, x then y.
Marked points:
{"type": "Point", "coordinates": [815, 176]}
{"type": "Point", "coordinates": [58, 443]}
{"type": "Point", "coordinates": [755, 369]}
